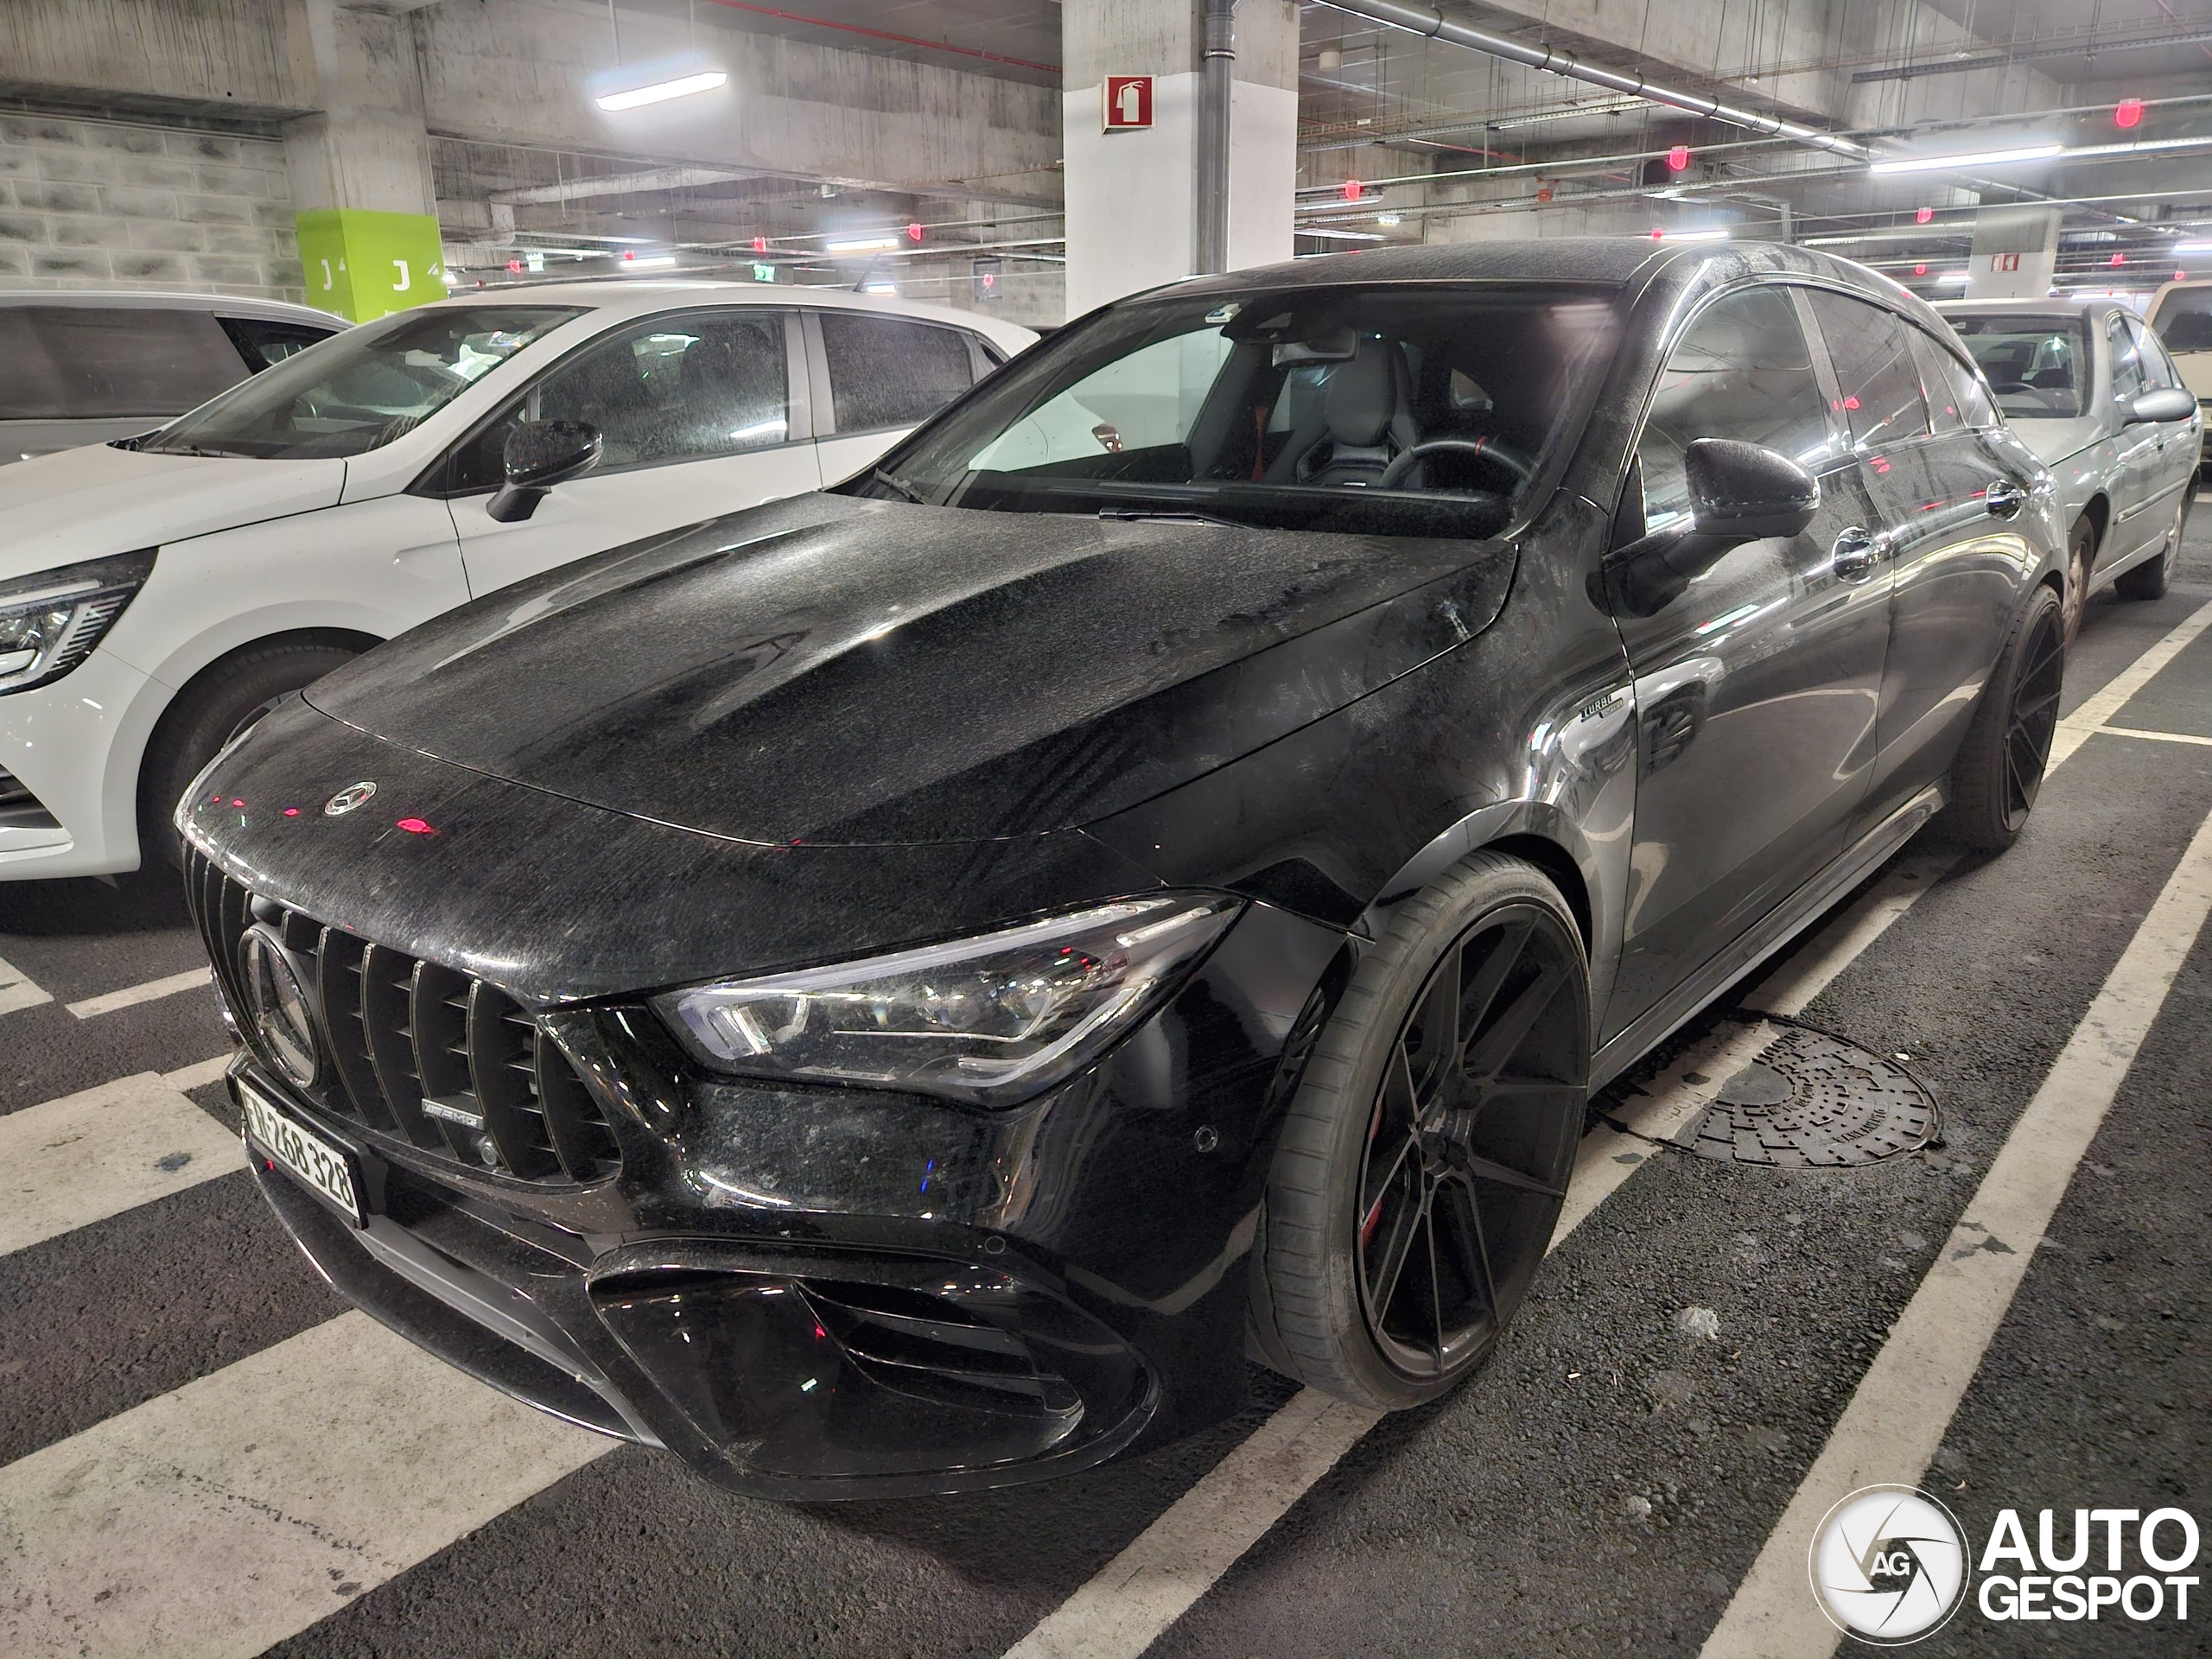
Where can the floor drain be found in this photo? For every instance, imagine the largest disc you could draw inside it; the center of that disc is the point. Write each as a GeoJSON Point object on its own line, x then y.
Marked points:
{"type": "Point", "coordinates": [1811, 1101]}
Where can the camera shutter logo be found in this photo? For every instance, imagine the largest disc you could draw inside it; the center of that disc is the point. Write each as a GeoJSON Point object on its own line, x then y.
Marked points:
{"type": "Point", "coordinates": [1889, 1565]}
{"type": "Point", "coordinates": [347, 798]}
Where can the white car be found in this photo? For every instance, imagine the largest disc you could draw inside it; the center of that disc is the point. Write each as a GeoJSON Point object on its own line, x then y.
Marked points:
{"type": "Point", "coordinates": [86, 365]}
{"type": "Point", "coordinates": [159, 593]}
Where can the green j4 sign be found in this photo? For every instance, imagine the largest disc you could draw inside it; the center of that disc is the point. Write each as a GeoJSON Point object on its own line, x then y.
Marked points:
{"type": "Point", "coordinates": [362, 264]}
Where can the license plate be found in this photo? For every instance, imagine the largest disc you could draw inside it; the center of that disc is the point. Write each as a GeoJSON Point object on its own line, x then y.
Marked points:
{"type": "Point", "coordinates": [324, 1167]}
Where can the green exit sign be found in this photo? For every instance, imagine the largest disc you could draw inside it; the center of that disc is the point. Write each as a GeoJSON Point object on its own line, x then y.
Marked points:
{"type": "Point", "coordinates": [764, 273]}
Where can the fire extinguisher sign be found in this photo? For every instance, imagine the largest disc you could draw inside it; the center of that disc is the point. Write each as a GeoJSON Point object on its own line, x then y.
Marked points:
{"type": "Point", "coordinates": [1128, 102]}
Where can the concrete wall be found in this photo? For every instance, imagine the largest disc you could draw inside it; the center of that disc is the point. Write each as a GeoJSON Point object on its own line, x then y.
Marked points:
{"type": "Point", "coordinates": [112, 204]}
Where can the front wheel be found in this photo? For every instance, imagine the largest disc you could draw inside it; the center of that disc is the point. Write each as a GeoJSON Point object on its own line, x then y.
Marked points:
{"type": "Point", "coordinates": [222, 701]}
{"type": "Point", "coordinates": [1426, 1155]}
{"type": "Point", "coordinates": [1999, 768]}
{"type": "Point", "coordinates": [2080, 551]}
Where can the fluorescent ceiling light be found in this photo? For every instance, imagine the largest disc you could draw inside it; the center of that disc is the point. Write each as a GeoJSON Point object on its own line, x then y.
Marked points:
{"type": "Point", "coordinates": [1344, 236]}
{"type": "Point", "coordinates": [2191, 247]}
{"type": "Point", "coordinates": [1691, 236]}
{"type": "Point", "coordinates": [1970, 158]}
{"type": "Point", "coordinates": [1953, 279]}
{"type": "Point", "coordinates": [661, 91]}
{"type": "Point", "coordinates": [865, 244]}
{"type": "Point", "coordinates": [880, 288]}
{"type": "Point", "coordinates": [647, 261]}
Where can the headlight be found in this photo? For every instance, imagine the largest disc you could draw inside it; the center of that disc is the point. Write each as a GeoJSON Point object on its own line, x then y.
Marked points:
{"type": "Point", "coordinates": [50, 622]}
{"type": "Point", "coordinates": [990, 1021]}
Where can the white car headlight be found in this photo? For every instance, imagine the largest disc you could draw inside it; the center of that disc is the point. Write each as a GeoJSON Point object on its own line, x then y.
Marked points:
{"type": "Point", "coordinates": [50, 622]}
{"type": "Point", "coordinates": [989, 1021]}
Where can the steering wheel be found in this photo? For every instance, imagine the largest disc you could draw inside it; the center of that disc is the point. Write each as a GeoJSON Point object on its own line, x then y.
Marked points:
{"type": "Point", "coordinates": [1479, 448]}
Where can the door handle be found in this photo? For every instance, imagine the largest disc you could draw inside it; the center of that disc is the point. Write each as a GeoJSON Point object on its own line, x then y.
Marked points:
{"type": "Point", "coordinates": [2004, 499]}
{"type": "Point", "coordinates": [1855, 553]}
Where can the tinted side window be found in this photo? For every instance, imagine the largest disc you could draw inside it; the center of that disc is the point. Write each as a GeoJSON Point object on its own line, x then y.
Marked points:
{"type": "Point", "coordinates": [261, 341]}
{"type": "Point", "coordinates": [887, 371]}
{"type": "Point", "coordinates": [91, 362]}
{"type": "Point", "coordinates": [2184, 320]}
{"type": "Point", "coordinates": [1872, 354]}
{"type": "Point", "coordinates": [2127, 363]}
{"type": "Point", "coordinates": [1741, 372]}
{"type": "Point", "coordinates": [1954, 393]}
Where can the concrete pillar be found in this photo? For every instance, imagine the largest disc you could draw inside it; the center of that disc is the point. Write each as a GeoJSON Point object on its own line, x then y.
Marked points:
{"type": "Point", "coordinates": [1133, 196]}
{"type": "Point", "coordinates": [2015, 253]}
{"type": "Point", "coordinates": [360, 168]}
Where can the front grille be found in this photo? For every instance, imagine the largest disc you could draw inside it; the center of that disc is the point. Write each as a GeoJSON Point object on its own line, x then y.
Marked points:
{"type": "Point", "coordinates": [20, 808]}
{"type": "Point", "coordinates": [417, 1050]}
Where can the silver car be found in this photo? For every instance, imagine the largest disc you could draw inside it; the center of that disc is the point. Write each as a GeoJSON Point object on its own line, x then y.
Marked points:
{"type": "Point", "coordinates": [89, 368]}
{"type": "Point", "coordinates": [2093, 393]}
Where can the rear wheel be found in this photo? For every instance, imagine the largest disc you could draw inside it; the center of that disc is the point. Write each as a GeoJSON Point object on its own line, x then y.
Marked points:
{"type": "Point", "coordinates": [1999, 768]}
{"type": "Point", "coordinates": [222, 701]}
{"type": "Point", "coordinates": [1426, 1155]}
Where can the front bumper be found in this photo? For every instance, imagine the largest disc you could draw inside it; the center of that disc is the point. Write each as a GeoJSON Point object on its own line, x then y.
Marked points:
{"type": "Point", "coordinates": [62, 742]}
{"type": "Point", "coordinates": [829, 1293]}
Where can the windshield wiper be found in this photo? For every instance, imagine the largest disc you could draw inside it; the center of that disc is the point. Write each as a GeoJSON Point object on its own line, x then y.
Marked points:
{"type": "Point", "coordinates": [889, 481]}
{"type": "Point", "coordinates": [1167, 516]}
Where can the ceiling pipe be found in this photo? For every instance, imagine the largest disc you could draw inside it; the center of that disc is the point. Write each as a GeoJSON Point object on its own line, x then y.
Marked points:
{"type": "Point", "coordinates": [1216, 72]}
{"type": "Point", "coordinates": [1432, 24]}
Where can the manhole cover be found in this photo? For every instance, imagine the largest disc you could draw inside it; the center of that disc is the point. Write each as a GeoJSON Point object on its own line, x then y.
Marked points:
{"type": "Point", "coordinates": [1814, 1100]}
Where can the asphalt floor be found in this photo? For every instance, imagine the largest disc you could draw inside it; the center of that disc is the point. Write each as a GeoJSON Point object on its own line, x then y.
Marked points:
{"type": "Point", "coordinates": [1603, 1486]}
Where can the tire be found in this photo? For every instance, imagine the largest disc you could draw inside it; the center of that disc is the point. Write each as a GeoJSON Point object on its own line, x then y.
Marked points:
{"type": "Point", "coordinates": [1395, 1148]}
{"type": "Point", "coordinates": [2081, 548]}
{"type": "Point", "coordinates": [2149, 579]}
{"type": "Point", "coordinates": [222, 701]}
{"type": "Point", "coordinates": [1999, 767]}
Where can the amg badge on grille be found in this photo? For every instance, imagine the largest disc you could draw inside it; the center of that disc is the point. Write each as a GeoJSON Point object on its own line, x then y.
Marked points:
{"type": "Point", "coordinates": [347, 798]}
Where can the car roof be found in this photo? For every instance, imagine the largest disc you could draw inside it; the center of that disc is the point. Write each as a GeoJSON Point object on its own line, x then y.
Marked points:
{"type": "Point", "coordinates": [637, 296]}
{"type": "Point", "coordinates": [1605, 261]}
{"type": "Point", "coordinates": [154, 300]}
{"type": "Point", "coordinates": [2055, 306]}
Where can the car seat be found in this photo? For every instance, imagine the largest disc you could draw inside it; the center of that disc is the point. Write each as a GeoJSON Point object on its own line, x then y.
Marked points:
{"type": "Point", "coordinates": [1365, 421]}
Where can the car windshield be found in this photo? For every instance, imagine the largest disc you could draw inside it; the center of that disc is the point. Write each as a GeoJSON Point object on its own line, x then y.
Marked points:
{"type": "Point", "coordinates": [359, 391]}
{"type": "Point", "coordinates": [2037, 366]}
{"type": "Point", "coordinates": [2183, 319]}
{"type": "Point", "coordinates": [1406, 408]}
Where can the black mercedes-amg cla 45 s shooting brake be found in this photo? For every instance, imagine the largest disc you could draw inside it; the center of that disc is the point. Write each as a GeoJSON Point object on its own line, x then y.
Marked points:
{"type": "Point", "coordinates": [900, 989]}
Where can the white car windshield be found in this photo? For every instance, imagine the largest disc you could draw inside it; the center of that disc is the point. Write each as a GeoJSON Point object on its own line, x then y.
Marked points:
{"type": "Point", "coordinates": [357, 391]}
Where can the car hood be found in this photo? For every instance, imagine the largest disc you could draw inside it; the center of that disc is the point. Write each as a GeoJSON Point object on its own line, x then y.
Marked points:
{"type": "Point", "coordinates": [828, 670]}
{"type": "Point", "coordinates": [89, 503]}
{"type": "Point", "coordinates": [2053, 440]}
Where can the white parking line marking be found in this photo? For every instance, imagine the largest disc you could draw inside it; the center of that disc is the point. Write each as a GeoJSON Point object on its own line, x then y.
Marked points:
{"type": "Point", "coordinates": [130, 995]}
{"type": "Point", "coordinates": [187, 1078]}
{"type": "Point", "coordinates": [16, 990]}
{"type": "Point", "coordinates": [1125, 1607]}
{"type": "Point", "coordinates": [1898, 1413]}
{"type": "Point", "coordinates": [2108, 699]}
{"type": "Point", "coordinates": [80, 1158]}
{"type": "Point", "coordinates": [2161, 737]}
{"type": "Point", "coordinates": [244, 1507]}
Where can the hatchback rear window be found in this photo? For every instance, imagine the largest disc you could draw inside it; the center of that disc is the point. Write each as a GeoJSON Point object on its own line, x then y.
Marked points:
{"type": "Point", "coordinates": [91, 362]}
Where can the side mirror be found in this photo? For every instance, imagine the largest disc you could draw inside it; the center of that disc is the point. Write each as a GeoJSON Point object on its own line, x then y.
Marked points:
{"type": "Point", "coordinates": [2164, 404]}
{"type": "Point", "coordinates": [1746, 492]}
{"type": "Point", "coordinates": [540, 454]}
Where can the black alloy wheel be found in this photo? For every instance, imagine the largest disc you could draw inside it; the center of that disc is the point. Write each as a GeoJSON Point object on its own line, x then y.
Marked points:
{"type": "Point", "coordinates": [2031, 720]}
{"type": "Point", "coordinates": [1425, 1152]}
{"type": "Point", "coordinates": [2000, 765]}
{"type": "Point", "coordinates": [1470, 1143]}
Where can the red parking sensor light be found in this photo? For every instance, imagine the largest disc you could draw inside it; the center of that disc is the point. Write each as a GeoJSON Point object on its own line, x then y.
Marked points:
{"type": "Point", "coordinates": [2129, 112]}
{"type": "Point", "coordinates": [1353, 190]}
{"type": "Point", "coordinates": [2118, 259]}
{"type": "Point", "coordinates": [1924, 216]}
{"type": "Point", "coordinates": [913, 232]}
{"type": "Point", "coordinates": [760, 245]}
{"type": "Point", "coordinates": [1920, 270]}
{"type": "Point", "coordinates": [1678, 158]}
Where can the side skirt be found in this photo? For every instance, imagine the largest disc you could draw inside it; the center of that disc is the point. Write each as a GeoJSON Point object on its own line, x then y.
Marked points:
{"type": "Point", "coordinates": [1780, 926]}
